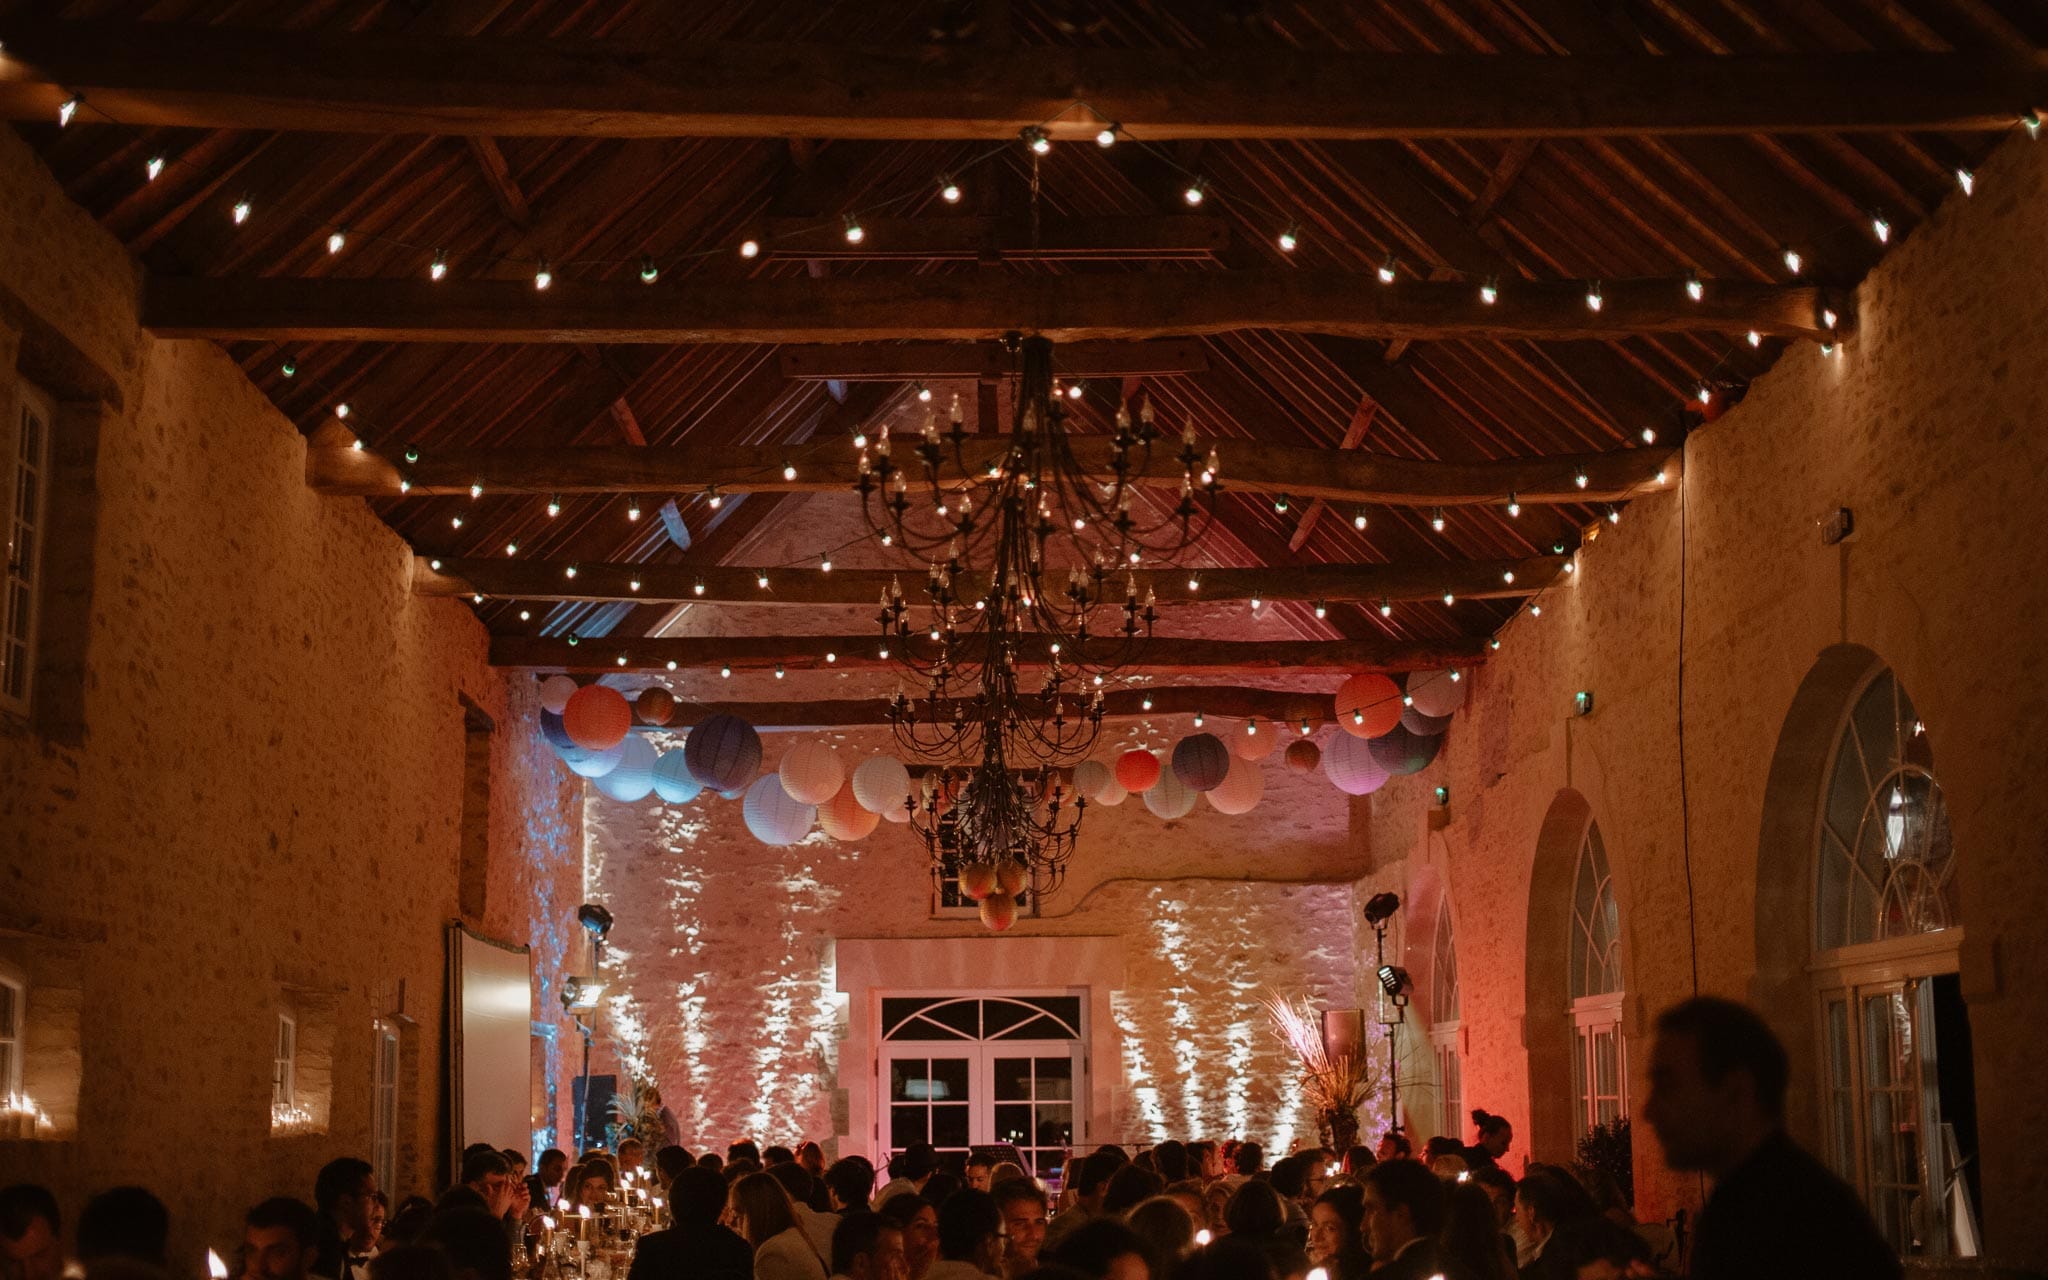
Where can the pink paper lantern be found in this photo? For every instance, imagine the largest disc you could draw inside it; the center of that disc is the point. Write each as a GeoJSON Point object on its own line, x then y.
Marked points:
{"type": "Point", "coordinates": [555, 692]}
{"type": "Point", "coordinates": [812, 772]}
{"type": "Point", "coordinates": [1436, 693]}
{"type": "Point", "coordinates": [1242, 789]}
{"type": "Point", "coordinates": [1350, 766]}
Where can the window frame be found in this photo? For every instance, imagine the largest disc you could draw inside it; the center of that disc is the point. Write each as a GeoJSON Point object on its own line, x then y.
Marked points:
{"type": "Point", "coordinates": [28, 399]}
{"type": "Point", "coordinates": [14, 1034]}
{"type": "Point", "coordinates": [284, 1054]}
{"type": "Point", "coordinates": [1595, 1014]}
{"type": "Point", "coordinates": [1445, 1039]}
{"type": "Point", "coordinates": [386, 1065]}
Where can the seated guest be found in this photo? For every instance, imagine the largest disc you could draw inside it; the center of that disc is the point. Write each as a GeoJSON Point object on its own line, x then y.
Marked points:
{"type": "Point", "coordinates": [590, 1184]}
{"type": "Point", "coordinates": [280, 1239]}
{"type": "Point", "coordinates": [696, 1246]}
{"type": "Point", "coordinates": [761, 1212]}
{"type": "Point", "coordinates": [345, 1194]}
{"type": "Point", "coordinates": [31, 1232]}
{"type": "Point", "coordinates": [817, 1227]}
{"type": "Point", "coordinates": [486, 1172]}
{"type": "Point", "coordinates": [1167, 1231]}
{"type": "Point", "coordinates": [909, 1170]}
{"type": "Point", "coordinates": [127, 1223]}
{"type": "Point", "coordinates": [1471, 1241]}
{"type": "Point", "coordinates": [1404, 1212]}
{"type": "Point", "coordinates": [1335, 1242]}
{"type": "Point", "coordinates": [919, 1223]}
{"type": "Point", "coordinates": [1717, 1106]}
{"type": "Point", "coordinates": [1105, 1249]}
{"type": "Point", "coordinates": [474, 1241]}
{"type": "Point", "coordinates": [670, 1161]}
{"type": "Point", "coordinates": [1023, 1205]}
{"type": "Point", "coordinates": [970, 1238]}
{"type": "Point", "coordinates": [632, 1156]}
{"type": "Point", "coordinates": [866, 1246]}
{"type": "Point", "coordinates": [406, 1223]}
{"type": "Point", "coordinates": [545, 1186]}
{"type": "Point", "coordinates": [849, 1183]}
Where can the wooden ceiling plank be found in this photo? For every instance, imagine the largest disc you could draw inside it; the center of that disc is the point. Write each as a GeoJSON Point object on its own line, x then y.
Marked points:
{"type": "Point", "coordinates": [174, 74]}
{"type": "Point", "coordinates": [957, 307]}
{"type": "Point", "coordinates": [912, 361]}
{"type": "Point", "coordinates": [974, 238]}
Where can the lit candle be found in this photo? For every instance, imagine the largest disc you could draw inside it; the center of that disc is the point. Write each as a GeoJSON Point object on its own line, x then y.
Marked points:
{"type": "Point", "coordinates": [1203, 1236]}
{"type": "Point", "coordinates": [215, 1267]}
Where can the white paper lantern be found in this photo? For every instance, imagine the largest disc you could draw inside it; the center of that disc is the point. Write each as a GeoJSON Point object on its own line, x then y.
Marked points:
{"type": "Point", "coordinates": [811, 772]}
{"type": "Point", "coordinates": [1169, 797]}
{"type": "Point", "coordinates": [1242, 789]}
{"type": "Point", "coordinates": [672, 779]}
{"type": "Point", "coordinates": [881, 784]}
{"type": "Point", "coordinates": [555, 692]}
{"type": "Point", "coordinates": [596, 764]}
{"type": "Point", "coordinates": [1111, 795]}
{"type": "Point", "coordinates": [772, 816]}
{"type": "Point", "coordinates": [1090, 777]}
{"type": "Point", "coordinates": [632, 778]}
{"type": "Point", "coordinates": [1348, 763]}
{"type": "Point", "coordinates": [1435, 693]}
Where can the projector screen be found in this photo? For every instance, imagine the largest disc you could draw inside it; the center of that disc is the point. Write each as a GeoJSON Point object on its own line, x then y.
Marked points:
{"type": "Point", "coordinates": [490, 1060]}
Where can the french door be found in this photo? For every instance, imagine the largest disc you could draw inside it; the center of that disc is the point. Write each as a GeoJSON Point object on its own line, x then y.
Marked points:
{"type": "Point", "coordinates": [960, 1096]}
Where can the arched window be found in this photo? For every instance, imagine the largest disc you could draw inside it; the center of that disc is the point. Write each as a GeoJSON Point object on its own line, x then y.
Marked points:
{"type": "Point", "coordinates": [1444, 1023]}
{"type": "Point", "coordinates": [1600, 1063]}
{"type": "Point", "coordinates": [1898, 1097]}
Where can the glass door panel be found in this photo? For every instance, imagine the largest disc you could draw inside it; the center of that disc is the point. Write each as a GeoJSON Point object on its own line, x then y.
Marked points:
{"type": "Point", "coordinates": [931, 1099]}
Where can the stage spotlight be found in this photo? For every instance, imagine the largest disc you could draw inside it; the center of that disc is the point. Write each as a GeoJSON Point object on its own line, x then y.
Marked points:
{"type": "Point", "coordinates": [580, 992]}
{"type": "Point", "coordinates": [1394, 980]}
{"type": "Point", "coordinates": [1380, 908]}
{"type": "Point", "coordinates": [594, 918]}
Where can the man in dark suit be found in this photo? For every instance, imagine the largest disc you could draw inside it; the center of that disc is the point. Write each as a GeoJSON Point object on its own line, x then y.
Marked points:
{"type": "Point", "coordinates": [1717, 1105]}
{"type": "Point", "coordinates": [696, 1247]}
{"type": "Point", "coordinates": [343, 1192]}
{"type": "Point", "coordinates": [544, 1185]}
{"type": "Point", "coordinates": [1404, 1213]}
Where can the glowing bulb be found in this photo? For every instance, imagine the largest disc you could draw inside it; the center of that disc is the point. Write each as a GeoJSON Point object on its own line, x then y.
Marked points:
{"type": "Point", "coordinates": [569, 571]}
{"type": "Point", "coordinates": [1386, 607]}
{"type": "Point", "coordinates": [1256, 603]}
{"type": "Point", "coordinates": [778, 671]}
{"type": "Point", "coordinates": [1614, 515]}
{"type": "Point", "coordinates": [341, 410]}
{"type": "Point", "coordinates": [1289, 238]}
{"type": "Point", "coordinates": [1755, 339]}
{"type": "Point", "coordinates": [1036, 139]}
{"type": "Point", "coordinates": [455, 522]}
{"type": "Point", "coordinates": [69, 109]}
{"type": "Point", "coordinates": [1202, 1237]}
{"type": "Point", "coordinates": [1649, 435]}
{"type": "Point", "coordinates": [1449, 598]}
{"type": "Point", "coordinates": [649, 273]}
{"type": "Point", "coordinates": [1358, 715]}
{"type": "Point", "coordinates": [1074, 391]}
{"type": "Point", "coordinates": [1106, 136]}
{"type": "Point", "coordinates": [788, 471]}
{"type": "Point", "coordinates": [1147, 703]}
{"type": "Point", "coordinates": [1828, 317]}
{"type": "Point", "coordinates": [154, 167]}
{"type": "Point", "coordinates": [1507, 575]}
{"type": "Point", "coordinates": [715, 498]}
{"type": "Point", "coordinates": [1793, 262]}
{"type": "Point", "coordinates": [1489, 293]}
{"type": "Point", "coordinates": [622, 659]}
{"type": "Point", "coordinates": [1967, 181]}
{"type": "Point", "coordinates": [242, 210]}
{"type": "Point", "coordinates": [761, 581]}
{"type": "Point", "coordinates": [476, 489]}
{"type": "Point", "coordinates": [1695, 288]}
{"type": "Point", "coordinates": [1322, 609]}
{"type": "Point", "coordinates": [512, 548]}
{"type": "Point", "coordinates": [1593, 299]}
{"type": "Point", "coordinates": [2032, 123]}
{"type": "Point", "coordinates": [1582, 480]}
{"type": "Point", "coordinates": [1306, 728]}
{"type": "Point", "coordinates": [1535, 610]}
{"type": "Point", "coordinates": [1358, 520]}
{"type": "Point", "coordinates": [336, 239]}
{"type": "Point", "coordinates": [1705, 394]}
{"type": "Point", "coordinates": [1195, 192]}
{"type": "Point", "coordinates": [924, 395]}
{"type": "Point", "coordinates": [1388, 269]}
{"type": "Point", "coordinates": [1194, 583]}
{"type": "Point", "coordinates": [554, 507]}
{"type": "Point", "coordinates": [854, 234]}
{"type": "Point", "coordinates": [750, 248]}
{"type": "Point", "coordinates": [1514, 506]}
{"type": "Point", "coordinates": [949, 191]}
{"type": "Point", "coordinates": [543, 277]}
{"type": "Point", "coordinates": [632, 508]}
{"type": "Point", "coordinates": [1436, 520]}
{"type": "Point", "coordinates": [356, 444]}
{"type": "Point", "coordinates": [1198, 719]}
{"type": "Point", "coordinates": [725, 672]}
{"type": "Point", "coordinates": [289, 368]}
{"type": "Point", "coordinates": [1881, 228]}
{"type": "Point", "coordinates": [439, 267]}
{"type": "Point", "coordinates": [827, 564]}
{"type": "Point", "coordinates": [831, 656]}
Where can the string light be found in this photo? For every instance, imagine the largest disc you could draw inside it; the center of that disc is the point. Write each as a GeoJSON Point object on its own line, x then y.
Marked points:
{"type": "Point", "coordinates": [826, 563]}
{"type": "Point", "coordinates": [1388, 269]}
{"type": "Point", "coordinates": [1073, 391]}
{"type": "Point", "coordinates": [1535, 610]}
{"type": "Point", "coordinates": [242, 210]}
{"type": "Point", "coordinates": [1290, 237]}
{"type": "Point", "coordinates": [154, 167]}
{"type": "Point", "coordinates": [1256, 602]}
{"type": "Point", "coordinates": [649, 273]}
{"type": "Point", "coordinates": [438, 267]}
{"type": "Point", "coordinates": [725, 672]}
{"type": "Point", "coordinates": [632, 508]}
{"type": "Point", "coordinates": [69, 109]}
{"type": "Point", "coordinates": [1449, 598]}
{"type": "Point", "coordinates": [1881, 228]}
{"type": "Point", "coordinates": [1036, 139]}
{"type": "Point", "coordinates": [789, 471]}
{"type": "Point", "coordinates": [1649, 435]}
{"type": "Point", "coordinates": [2031, 122]}
{"type": "Point", "coordinates": [341, 410]}
{"type": "Point", "coordinates": [1704, 394]}
{"type": "Point", "coordinates": [1614, 515]}
{"type": "Point", "coordinates": [1280, 503]}
{"type": "Point", "coordinates": [671, 667]}
{"type": "Point", "coordinates": [1967, 181]}
{"type": "Point", "coordinates": [1695, 288]}
{"type": "Point", "coordinates": [1582, 479]}
{"type": "Point", "coordinates": [1793, 261]}
{"type": "Point", "coordinates": [633, 584]}
{"type": "Point", "coordinates": [455, 522]}
{"type": "Point", "coordinates": [697, 588]}
{"type": "Point", "coordinates": [512, 548]}
{"type": "Point", "coordinates": [1593, 299]}
{"type": "Point", "coordinates": [290, 368]}
{"type": "Point", "coordinates": [854, 234]}
{"type": "Point", "coordinates": [1306, 728]}
{"type": "Point", "coordinates": [1358, 520]}
{"type": "Point", "coordinates": [526, 615]}
{"type": "Point", "coordinates": [543, 277]}
{"type": "Point", "coordinates": [1322, 609]}
{"type": "Point", "coordinates": [476, 489]}
{"type": "Point", "coordinates": [1251, 728]}
{"type": "Point", "coordinates": [831, 657]}
{"type": "Point", "coordinates": [1489, 292]}
{"type": "Point", "coordinates": [949, 190]}
{"type": "Point", "coordinates": [569, 571]}
{"type": "Point", "coordinates": [435, 565]}
{"type": "Point", "coordinates": [714, 497]}
{"type": "Point", "coordinates": [1196, 190]}
{"type": "Point", "coordinates": [1386, 607]}
{"type": "Point", "coordinates": [1198, 719]}
{"type": "Point", "coordinates": [1456, 675]}
{"type": "Point", "coordinates": [761, 581]}
{"type": "Point", "coordinates": [1828, 317]}
{"type": "Point", "coordinates": [336, 239]}
{"type": "Point", "coordinates": [1436, 520]}
{"type": "Point", "coordinates": [750, 248]}
{"type": "Point", "coordinates": [1106, 136]}
{"type": "Point", "coordinates": [1514, 507]}
{"type": "Point", "coordinates": [1755, 339]}
{"type": "Point", "coordinates": [554, 505]}
{"type": "Point", "coordinates": [1194, 582]}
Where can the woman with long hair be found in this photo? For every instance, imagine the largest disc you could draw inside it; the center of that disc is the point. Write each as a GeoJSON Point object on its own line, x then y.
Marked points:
{"type": "Point", "coordinates": [1335, 1242]}
{"type": "Point", "coordinates": [915, 1217]}
{"type": "Point", "coordinates": [760, 1211]}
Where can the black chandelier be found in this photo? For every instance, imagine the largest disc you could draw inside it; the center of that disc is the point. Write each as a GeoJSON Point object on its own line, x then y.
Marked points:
{"type": "Point", "coordinates": [1033, 543]}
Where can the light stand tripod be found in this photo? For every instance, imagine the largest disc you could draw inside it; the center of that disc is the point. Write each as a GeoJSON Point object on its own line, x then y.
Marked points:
{"type": "Point", "coordinates": [1396, 985]}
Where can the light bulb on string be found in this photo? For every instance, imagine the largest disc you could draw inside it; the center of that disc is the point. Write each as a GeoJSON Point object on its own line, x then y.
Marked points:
{"type": "Point", "coordinates": [854, 233]}
{"type": "Point", "coordinates": [1386, 607]}
{"type": "Point", "coordinates": [789, 471]}
{"type": "Point", "coordinates": [725, 671]}
{"type": "Point", "coordinates": [68, 109]}
{"type": "Point", "coordinates": [1146, 702]}
{"type": "Point", "coordinates": [569, 571]}
{"type": "Point", "coordinates": [1649, 435]}
{"type": "Point", "coordinates": [1828, 317]}
{"type": "Point", "coordinates": [154, 167]}
{"type": "Point", "coordinates": [526, 615]}
{"type": "Point", "coordinates": [1280, 503]}
{"type": "Point", "coordinates": [336, 239]}
{"type": "Point", "coordinates": [1967, 181]}
{"type": "Point", "coordinates": [1794, 262]}
{"type": "Point", "coordinates": [1251, 728]}
{"type": "Point", "coordinates": [1322, 609]}
{"type": "Point", "coordinates": [714, 497]}
{"type": "Point", "coordinates": [1194, 583]}
{"type": "Point", "coordinates": [2031, 122]}
{"type": "Point", "coordinates": [1535, 610]}
{"type": "Point", "coordinates": [1755, 339]}
{"type": "Point", "coordinates": [1514, 506]}
{"type": "Point", "coordinates": [243, 208]}
{"type": "Point", "coordinates": [649, 273]}
{"type": "Point", "coordinates": [1436, 520]}
{"type": "Point", "coordinates": [1704, 394]}
{"type": "Point", "coordinates": [554, 506]}
{"type": "Point", "coordinates": [1593, 298]}
{"type": "Point", "coordinates": [1306, 728]}
{"type": "Point", "coordinates": [750, 248]}
{"type": "Point", "coordinates": [633, 585]}
{"type": "Point", "coordinates": [697, 587]}
{"type": "Point", "coordinates": [542, 277]}
{"type": "Point", "coordinates": [1489, 292]}
{"type": "Point", "coordinates": [438, 267]}
{"type": "Point", "coordinates": [825, 564]}
{"type": "Point", "coordinates": [1507, 576]}
{"type": "Point", "coordinates": [512, 548]}
{"type": "Point", "coordinates": [1358, 520]}
{"type": "Point", "coordinates": [1389, 269]}
{"type": "Point", "coordinates": [1614, 515]}
{"type": "Point", "coordinates": [341, 410]}
{"type": "Point", "coordinates": [290, 368]}
{"type": "Point", "coordinates": [761, 581]}
{"type": "Point", "coordinates": [924, 393]}
{"type": "Point", "coordinates": [476, 489]}
{"type": "Point", "coordinates": [1449, 598]}
{"type": "Point", "coordinates": [1582, 479]}
{"type": "Point", "coordinates": [1036, 139]}
{"type": "Point", "coordinates": [1881, 227]}
{"type": "Point", "coordinates": [1106, 136]}
{"type": "Point", "coordinates": [632, 508]}
{"type": "Point", "coordinates": [455, 522]}
{"type": "Point", "coordinates": [1198, 719]}
{"type": "Point", "coordinates": [1289, 238]}
{"type": "Point", "coordinates": [1695, 288]}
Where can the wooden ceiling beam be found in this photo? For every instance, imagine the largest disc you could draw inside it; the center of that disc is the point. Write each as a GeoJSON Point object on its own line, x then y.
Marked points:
{"type": "Point", "coordinates": [978, 238]}
{"type": "Point", "coordinates": [830, 466]}
{"type": "Point", "coordinates": [970, 307]}
{"type": "Point", "coordinates": [1280, 710]}
{"type": "Point", "coordinates": [513, 579]}
{"type": "Point", "coordinates": [987, 361]}
{"type": "Point", "coordinates": [207, 76]}
{"type": "Point", "coordinates": [862, 653]}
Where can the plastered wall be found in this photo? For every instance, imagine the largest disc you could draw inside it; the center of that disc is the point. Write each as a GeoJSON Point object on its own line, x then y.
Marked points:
{"type": "Point", "coordinates": [257, 806]}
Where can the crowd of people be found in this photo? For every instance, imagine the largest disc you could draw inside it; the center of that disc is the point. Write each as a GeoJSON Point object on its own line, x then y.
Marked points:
{"type": "Point", "coordinates": [1198, 1210]}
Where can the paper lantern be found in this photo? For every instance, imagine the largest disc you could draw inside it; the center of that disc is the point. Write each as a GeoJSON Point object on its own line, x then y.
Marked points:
{"type": "Point", "coordinates": [1011, 878]}
{"type": "Point", "coordinates": [1257, 740]}
{"type": "Point", "coordinates": [654, 706]}
{"type": "Point", "coordinates": [555, 692]}
{"type": "Point", "coordinates": [1350, 765]}
{"type": "Point", "coordinates": [811, 772]}
{"type": "Point", "coordinates": [1169, 797]}
{"type": "Point", "coordinates": [895, 813]}
{"type": "Point", "coordinates": [1435, 693]}
{"type": "Point", "coordinates": [723, 752]}
{"type": "Point", "coordinates": [557, 736]}
{"type": "Point", "coordinates": [1303, 756]}
{"type": "Point", "coordinates": [1090, 778]}
{"type": "Point", "coordinates": [999, 911]}
{"type": "Point", "coordinates": [843, 818]}
{"type": "Point", "coordinates": [772, 816]}
{"type": "Point", "coordinates": [1137, 770]}
{"type": "Point", "coordinates": [733, 794]}
{"type": "Point", "coordinates": [632, 779]}
{"type": "Point", "coordinates": [881, 784]}
{"type": "Point", "coordinates": [978, 880]}
{"type": "Point", "coordinates": [1112, 795]}
{"type": "Point", "coordinates": [1368, 705]}
{"type": "Point", "coordinates": [1424, 726]}
{"type": "Point", "coordinates": [672, 780]}
{"type": "Point", "coordinates": [597, 717]}
{"type": "Point", "coordinates": [1242, 788]}
{"type": "Point", "coordinates": [595, 764]}
{"type": "Point", "coordinates": [1201, 760]}
{"type": "Point", "coordinates": [1403, 753]}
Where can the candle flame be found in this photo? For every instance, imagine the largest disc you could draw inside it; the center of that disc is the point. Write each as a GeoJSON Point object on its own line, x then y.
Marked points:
{"type": "Point", "coordinates": [215, 1267]}
{"type": "Point", "coordinates": [1203, 1236]}
{"type": "Point", "coordinates": [583, 1211]}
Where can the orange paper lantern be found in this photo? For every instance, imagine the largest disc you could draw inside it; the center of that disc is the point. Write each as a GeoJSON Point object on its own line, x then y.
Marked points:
{"type": "Point", "coordinates": [597, 718]}
{"type": "Point", "coordinates": [1137, 770]}
{"type": "Point", "coordinates": [999, 911]}
{"type": "Point", "coordinates": [1368, 705]}
{"type": "Point", "coordinates": [978, 880]}
{"type": "Point", "coordinates": [1303, 756]}
{"type": "Point", "coordinates": [1010, 878]}
{"type": "Point", "coordinates": [843, 818]}
{"type": "Point", "coordinates": [654, 706]}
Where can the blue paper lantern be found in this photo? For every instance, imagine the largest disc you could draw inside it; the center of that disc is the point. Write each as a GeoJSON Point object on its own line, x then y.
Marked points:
{"type": "Point", "coordinates": [772, 816]}
{"type": "Point", "coordinates": [723, 752]}
{"type": "Point", "coordinates": [672, 780]}
{"type": "Point", "coordinates": [595, 764]}
{"type": "Point", "coordinates": [632, 779]}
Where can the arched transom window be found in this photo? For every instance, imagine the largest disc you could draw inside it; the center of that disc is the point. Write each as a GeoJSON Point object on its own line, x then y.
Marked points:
{"type": "Point", "coordinates": [1444, 1023]}
{"type": "Point", "coordinates": [1600, 1061]}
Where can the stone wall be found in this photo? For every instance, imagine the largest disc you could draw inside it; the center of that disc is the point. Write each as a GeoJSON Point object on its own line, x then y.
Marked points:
{"type": "Point", "coordinates": [1928, 426]}
{"type": "Point", "coordinates": [255, 805]}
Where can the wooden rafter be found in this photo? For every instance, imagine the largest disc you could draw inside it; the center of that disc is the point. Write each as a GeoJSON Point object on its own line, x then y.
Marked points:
{"type": "Point", "coordinates": [862, 653]}
{"type": "Point", "coordinates": [923, 239]}
{"type": "Point", "coordinates": [189, 75]}
{"type": "Point", "coordinates": [1280, 711]}
{"type": "Point", "coordinates": [964, 307]}
{"type": "Point", "coordinates": [726, 584]}
{"type": "Point", "coordinates": [1354, 435]}
{"type": "Point", "coordinates": [830, 466]}
{"type": "Point", "coordinates": [987, 361]}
